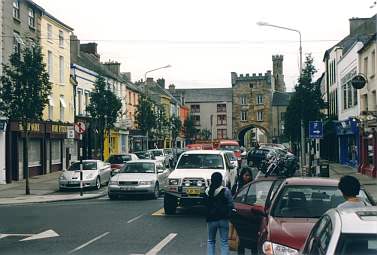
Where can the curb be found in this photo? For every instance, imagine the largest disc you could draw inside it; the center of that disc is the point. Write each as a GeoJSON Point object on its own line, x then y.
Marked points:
{"type": "Point", "coordinates": [55, 200]}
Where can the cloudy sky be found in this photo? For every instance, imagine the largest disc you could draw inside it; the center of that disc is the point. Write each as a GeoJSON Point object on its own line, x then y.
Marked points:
{"type": "Point", "coordinates": [205, 40]}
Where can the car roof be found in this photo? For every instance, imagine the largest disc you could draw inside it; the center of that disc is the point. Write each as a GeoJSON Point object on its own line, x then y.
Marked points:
{"type": "Point", "coordinates": [213, 152]}
{"type": "Point", "coordinates": [89, 160]}
{"type": "Point", "coordinates": [311, 181]}
{"type": "Point", "coordinates": [361, 220]}
{"type": "Point", "coordinates": [143, 161]}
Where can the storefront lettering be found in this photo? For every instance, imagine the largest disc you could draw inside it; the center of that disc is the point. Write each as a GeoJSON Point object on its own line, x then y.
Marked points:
{"type": "Point", "coordinates": [59, 129]}
{"type": "Point", "coordinates": [349, 76]}
{"type": "Point", "coordinates": [33, 127]}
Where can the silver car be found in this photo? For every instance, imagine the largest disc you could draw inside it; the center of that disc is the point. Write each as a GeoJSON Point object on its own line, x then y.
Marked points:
{"type": "Point", "coordinates": [95, 173]}
{"type": "Point", "coordinates": [147, 177]}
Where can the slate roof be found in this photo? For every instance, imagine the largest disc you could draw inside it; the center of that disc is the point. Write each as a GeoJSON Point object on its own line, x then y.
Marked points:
{"type": "Point", "coordinates": [281, 98]}
{"type": "Point", "coordinates": [366, 44]}
{"type": "Point", "coordinates": [205, 95]}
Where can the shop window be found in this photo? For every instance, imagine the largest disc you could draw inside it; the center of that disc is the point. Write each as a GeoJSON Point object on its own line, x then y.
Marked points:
{"type": "Point", "coordinates": [34, 152]}
{"type": "Point", "coordinates": [56, 152]}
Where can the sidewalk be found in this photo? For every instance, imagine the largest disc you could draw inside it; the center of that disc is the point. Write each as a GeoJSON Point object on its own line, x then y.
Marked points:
{"type": "Point", "coordinates": [369, 183]}
{"type": "Point", "coordinates": [43, 188]}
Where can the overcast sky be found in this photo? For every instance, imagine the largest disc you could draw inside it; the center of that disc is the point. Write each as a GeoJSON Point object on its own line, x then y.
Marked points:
{"type": "Point", "coordinates": [205, 40]}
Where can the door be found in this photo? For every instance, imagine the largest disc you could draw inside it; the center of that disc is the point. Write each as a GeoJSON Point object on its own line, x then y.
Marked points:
{"type": "Point", "coordinates": [250, 207]}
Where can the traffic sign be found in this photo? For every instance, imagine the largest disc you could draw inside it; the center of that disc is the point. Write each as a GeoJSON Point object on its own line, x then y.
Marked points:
{"type": "Point", "coordinates": [80, 127]}
{"type": "Point", "coordinates": [315, 129]}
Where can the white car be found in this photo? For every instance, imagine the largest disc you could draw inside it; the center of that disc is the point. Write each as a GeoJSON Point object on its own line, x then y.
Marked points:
{"type": "Point", "coordinates": [192, 175]}
{"type": "Point", "coordinates": [344, 232]}
{"type": "Point", "coordinates": [95, 173]}
{"type": "Point", "coordinates": [159, 155]}
{"type": "Point", "coordinates": [141, 177]}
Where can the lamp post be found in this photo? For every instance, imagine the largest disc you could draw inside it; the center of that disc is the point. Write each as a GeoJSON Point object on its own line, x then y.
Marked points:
{"type": "Point", "coordinates": [146, 90]}
{"type": "Point", "coordinates": [302, 161]}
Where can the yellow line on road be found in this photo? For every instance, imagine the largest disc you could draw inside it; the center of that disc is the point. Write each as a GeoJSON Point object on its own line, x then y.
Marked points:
{"type": "Point", "coordinates": [160, 212]}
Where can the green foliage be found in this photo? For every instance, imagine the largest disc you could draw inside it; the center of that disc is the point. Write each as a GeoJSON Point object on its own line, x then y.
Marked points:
{"type": "Point", "coordinates": [205, 134]}
{"type": "Point", "coordinates": [145, 116]}
{"type": "Point", "coordinates": [190, 130]}
{"type": "Point", "coordinates": [25, 86]}
{"type": "Point", "coordinates": [162, 123]}
{"type": "Point", "coordinates": [176, 126]}
{"type": "Point", "coordinates": [305, 104]}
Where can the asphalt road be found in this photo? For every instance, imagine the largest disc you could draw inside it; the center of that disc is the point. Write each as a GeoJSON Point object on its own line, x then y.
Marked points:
{"type": "Point", "coordinates": [101, 226]}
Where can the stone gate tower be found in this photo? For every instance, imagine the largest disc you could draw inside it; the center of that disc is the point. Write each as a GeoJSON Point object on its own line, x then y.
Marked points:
{"type": "Point", "coordinates": [277, 73]}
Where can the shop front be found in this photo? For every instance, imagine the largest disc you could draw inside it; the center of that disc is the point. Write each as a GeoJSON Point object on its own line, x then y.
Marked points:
{"type": "Point", "coordinates": [111, 146]}
{"type": "Point", "coordinates": [368, 152]}
{"type": "Point", "coordinates": [348, 139]}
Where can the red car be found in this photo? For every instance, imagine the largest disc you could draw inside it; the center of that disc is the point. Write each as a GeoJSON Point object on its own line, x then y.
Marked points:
{"type": "Point", "coordinates": [275, 215]}
{"type": "Point", "coordinates": [117, 161]}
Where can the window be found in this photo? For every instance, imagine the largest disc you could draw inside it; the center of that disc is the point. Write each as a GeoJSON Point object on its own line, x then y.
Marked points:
{"type": "Point", "coordinates": [221, 133]}
{"type": "Point", "coordinates": [373, 69]}
{"type": "Point", "coordinates": [56, 152]}
{"type": "Point", "coordinates": [62, 107]}
{"type": "Point", "coordinates": [221, 119]}
{"type": "Point", "coordinates": [50, 64]}
{"type": "Point", "coordinates": [34, 152]}
{"type": "Point", "coordinates": [31, 17]}
{"type": "Point", "coordinates": [258, 192]}
{"type": "Point", "coordinates": [195, 108]}
{"type": "Point", "coordinates": [243, 100]}
{"type": "Point", "coordinates": [221, 107]}
{"type": "Point", "coordinates": [61, 69]}
{"type": "Point", "coordinates": [260, 99]}
{"type": "Point", "coordinates": [79, 101]}
{"type": "Point", "coordinates": [129, 97]}
{"type": "Point", "coordinates": [354, 96]}
{"type": "Point", "coordinates": [16, 9]}
{"type": "Point", "coordinates": [86, 100]}
{"type": "Point", "coordinates": [17, 42]}
{"type": "Point", "coordinates": [196, 119]}
{"type": "Point", "coordinates": [243, 115]}
{"type": "Point", "coordinates": [49, 32]}
{"type": "Point", "coordinates": [259, 116]}
{"type": "Point", "coordinates": [50, 107]}
{"type": "Point", "coordinates": [349, 95]}
{"type": "Point", "coordinates": [366, 66]}
{"type": "Point", "coordinates": [61, 39]}
{"type": "Point", "coordinates": [344, 96]}
{"type": "Point", "coordinates": [282, 116]}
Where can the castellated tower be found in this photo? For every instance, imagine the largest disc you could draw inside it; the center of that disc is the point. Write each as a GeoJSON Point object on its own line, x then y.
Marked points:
{"type": "Point", "coordinates": [277, 73]}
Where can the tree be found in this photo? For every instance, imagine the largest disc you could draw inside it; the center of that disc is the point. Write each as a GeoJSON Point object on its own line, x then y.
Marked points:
{"type": "Point", "coordinates": [305, 104]}
{"type": "Point", "coordinates": [205, 134]}
{"type": "Point", "coordinates": [190, 129]}
{"type": "Point", "coordinates": [104, 108]}
{"type": "Point", "coordinates": [24, 93]}
{"type": "Point", "coordinates": [162, 123]}
{"type": "Point", "coordinates": [145, 117]}
{"type": "Point", "coordinates": [176, 127]}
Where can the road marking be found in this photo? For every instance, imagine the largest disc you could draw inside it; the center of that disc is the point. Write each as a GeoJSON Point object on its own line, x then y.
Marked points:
{"type": "Point", "coordinates": [134, 219]}
{"type": "Point", "coordinates": [43, 235]}
{"type": "Point", "coordinates": [161, 244]}
{"type": "Point", "coordinates": [160, 212]}
{"type": "Point", "coordinates": [89, 242]}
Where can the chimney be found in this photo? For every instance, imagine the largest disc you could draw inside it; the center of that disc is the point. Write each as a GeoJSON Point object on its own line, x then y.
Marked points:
{"type": "Point", "coordinates": [172, 88]}
{"type": "Point", "coordinates": [113, 66]}
{"type": "Point", "coordinates": [90, 48]}
{"type": "Point", "coordinates": [149, 80]}
{"type": "Point", "coordinates": [126, 76]}
{"type": "Point", "coordinates": [362, 25]}
{"type": "Point", "coordinates": [161, 82]}
{"type": "Point", "coordinates": [75, 48]}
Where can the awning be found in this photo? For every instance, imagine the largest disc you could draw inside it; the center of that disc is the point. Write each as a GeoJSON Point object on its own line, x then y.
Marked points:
{"type": "Point", "coordinates": [62, 102]}
{"type": "Point", "coordinates": [50, 101]}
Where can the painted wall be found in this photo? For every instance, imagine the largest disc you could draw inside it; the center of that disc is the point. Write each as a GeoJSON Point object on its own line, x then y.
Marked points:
{"type": "Point", "coordinates": [371, 87]}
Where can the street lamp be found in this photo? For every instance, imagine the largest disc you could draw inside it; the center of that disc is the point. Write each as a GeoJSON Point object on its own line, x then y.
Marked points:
{"type": "Point", "coordinates": [260, 23]}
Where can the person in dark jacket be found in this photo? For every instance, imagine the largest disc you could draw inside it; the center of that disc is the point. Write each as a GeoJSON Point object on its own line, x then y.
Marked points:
{"type": "Point", "coordinates": [219, 205]}
{"type": "Point", "coordinates": [245, 176]}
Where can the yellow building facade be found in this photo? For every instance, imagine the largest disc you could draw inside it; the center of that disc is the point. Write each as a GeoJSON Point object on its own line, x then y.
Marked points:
{"type": "Point", "coordinates": [55, 44]}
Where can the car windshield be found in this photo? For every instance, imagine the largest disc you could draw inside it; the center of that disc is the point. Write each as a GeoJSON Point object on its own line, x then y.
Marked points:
{"type": "Point", "coordinates": [157, 153]}
{"type": "Point", "coordinates": [201, 161]}
{"type": "Point", "coordinates": [168, 151]}
{"type": "Point", "coordinates": [142, 154]}
{"type": "Point", "coordinates": [119, 159]}
{"type": "Point", "coordinates": [307, 201]}
{"type": "Point", "coordinates": [357, 244]}
{"type": "Point", "coordinates": [91, 165]}
{"type": "Point", "coordinates": [225, 147]}
{"type": "Point", "coordinates": [138, 167]}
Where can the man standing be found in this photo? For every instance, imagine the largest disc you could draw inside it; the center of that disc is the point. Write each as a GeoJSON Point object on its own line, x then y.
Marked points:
{"type": "Point", "coordinates": [350, 188]}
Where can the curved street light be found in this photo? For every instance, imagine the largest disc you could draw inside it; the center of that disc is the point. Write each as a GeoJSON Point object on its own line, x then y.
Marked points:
{"type": "Point", "coordinates": [149, 71]}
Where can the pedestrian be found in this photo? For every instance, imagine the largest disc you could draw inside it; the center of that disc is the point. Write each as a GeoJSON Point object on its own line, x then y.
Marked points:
{"type": "Point", "coordinates": [350, 188]}
{"type": "Point", "coordinates": [219, 205]}
{"type": "Point", "coordinates": [245, 176]}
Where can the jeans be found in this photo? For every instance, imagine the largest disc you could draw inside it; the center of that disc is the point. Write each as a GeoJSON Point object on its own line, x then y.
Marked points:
{"type": "Point", "coordinates": [223, 227]}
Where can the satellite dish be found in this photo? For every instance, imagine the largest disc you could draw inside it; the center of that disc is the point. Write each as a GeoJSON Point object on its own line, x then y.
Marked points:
{"type": "Point", "coordinates": [359, 81]}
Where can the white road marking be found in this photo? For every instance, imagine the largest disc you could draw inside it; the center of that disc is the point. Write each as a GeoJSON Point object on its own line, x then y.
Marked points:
{"type": "Point", "coordinates": [89, 242]}
{"type": "Point", "coordinates": [161, 244]}
{"type": "Point", "coordinates": [134, 219]}
{"type": "Point", "coordinates": [43, 235]}
{"type": "Point", "coordinates": [6, 235]}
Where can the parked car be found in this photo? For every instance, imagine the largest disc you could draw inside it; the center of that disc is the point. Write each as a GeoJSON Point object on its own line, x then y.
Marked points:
{"type": "Point", "coordinates": [144, 155]}
{"type": "Point", "coordinates": [344, 232]}
{"type": "Point", "coordinates": [95, 173]}
{"type": "Point", "coordinates": [192, 175]}
{"type": "Point", "coordinates": [230, 145]}
{"type": "Point", "coordinates": [117, 161]}
{"type": "Point", "coordinates": [199, 146]}
{"type": "Point", "coordinates": [276, 214]}
{"type": "Point", "coordinates": [257, 155]}
{"type": "Point", "coordinates": [160, 155]}
{"type": "Point", "coordinates": [147, 177]}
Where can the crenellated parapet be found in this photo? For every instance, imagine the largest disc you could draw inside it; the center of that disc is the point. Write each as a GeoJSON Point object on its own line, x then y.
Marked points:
{"type": "Point", "coordinates": [251, 77]}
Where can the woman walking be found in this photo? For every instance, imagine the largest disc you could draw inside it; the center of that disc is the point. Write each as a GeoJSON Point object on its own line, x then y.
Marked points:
{"type": "Point", "coordinates": [246, 176]}
{"type": "Point", "coordinates": [219, 205]}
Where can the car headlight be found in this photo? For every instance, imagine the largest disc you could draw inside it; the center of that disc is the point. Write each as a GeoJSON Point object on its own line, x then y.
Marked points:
{"type": "Point", "coordinates": [270, 248]}
{"type": "Point", "coordinates": [145, 182]}
{"type": "Point", "coordinates": [174, 182]}
{"type": "Point", "coordinates": [187, 183]}
{"type": "Point", "coordinates": [113, 183]}
{"type": "Point", "coordinates": [199, 183]}
{"type": "Point", "coordinates": [62, 177]}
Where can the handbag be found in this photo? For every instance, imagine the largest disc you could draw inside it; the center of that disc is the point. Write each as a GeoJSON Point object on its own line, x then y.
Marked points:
{"type": "Point", "coordinates": [233, 239]}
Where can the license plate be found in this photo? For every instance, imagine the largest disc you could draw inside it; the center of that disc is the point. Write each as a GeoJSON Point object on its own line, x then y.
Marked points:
{"type": "Point", "coordinates": [193, 191]}
{"type": "Point", "coordinates": [127, 188]}
{"type": "Point", "coordinates": [73, 182]}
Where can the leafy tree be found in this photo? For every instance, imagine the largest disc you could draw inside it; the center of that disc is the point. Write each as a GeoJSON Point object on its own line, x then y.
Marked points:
{"type": "Point", "coordinates": [190, 130]}
{"type": "Point", "coordinates": [205, 134]}
{"type": "Point", "coordinates": [24, 93]}
{"type": "Point", "coordinates": [162, 124]}
{"type": "Point", "coordinates": [145, 117]}
{"type": "Point", "coordinates": [176, 127]}
{"type": "Point", "coordinates": [305, 104]}
{"type": "Point", "coordinates": [104, 108]}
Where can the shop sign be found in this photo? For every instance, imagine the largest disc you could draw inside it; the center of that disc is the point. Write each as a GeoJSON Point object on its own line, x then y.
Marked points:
{"type": "Point", "coordinates": [32, 127]}
{"type": "Point", "coordinates": [59, 129]}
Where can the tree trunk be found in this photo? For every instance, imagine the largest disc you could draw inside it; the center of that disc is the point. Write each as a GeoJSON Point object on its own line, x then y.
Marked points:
{"type": "Point", "coordinates": [26, 159]}
{"type": "Point", "coordinates": [102, 142]}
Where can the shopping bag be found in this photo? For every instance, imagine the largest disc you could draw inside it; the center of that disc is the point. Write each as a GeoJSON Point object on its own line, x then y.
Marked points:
{"type": "Point", "coordinates": [233, 239]}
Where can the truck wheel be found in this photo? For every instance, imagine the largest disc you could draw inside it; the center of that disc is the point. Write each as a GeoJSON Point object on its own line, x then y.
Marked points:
{"type": "Point", "coordinates": [170, 204]}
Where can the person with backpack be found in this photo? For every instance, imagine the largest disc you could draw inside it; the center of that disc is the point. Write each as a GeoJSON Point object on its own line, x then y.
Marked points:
{"type": "Point", "coordinates": [219, 205]}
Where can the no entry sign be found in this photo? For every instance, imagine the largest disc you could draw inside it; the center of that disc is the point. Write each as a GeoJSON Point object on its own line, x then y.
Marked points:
{"type": "Point", "coordinates": [80, 127]}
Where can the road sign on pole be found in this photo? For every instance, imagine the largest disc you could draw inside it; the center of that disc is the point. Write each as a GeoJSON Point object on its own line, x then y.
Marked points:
{"type": "Point", "coordinates": [80, 127]}
{"type": "Point", "coordinates": [315, 129]}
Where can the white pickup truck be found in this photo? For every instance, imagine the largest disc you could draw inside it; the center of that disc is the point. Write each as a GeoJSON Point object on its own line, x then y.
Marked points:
{"type": "Point", "coordinates": [192, 175]}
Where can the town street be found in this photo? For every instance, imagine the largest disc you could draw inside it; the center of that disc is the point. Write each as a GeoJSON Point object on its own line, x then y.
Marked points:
{"type": "Point", "coordinates": [101, 226]}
